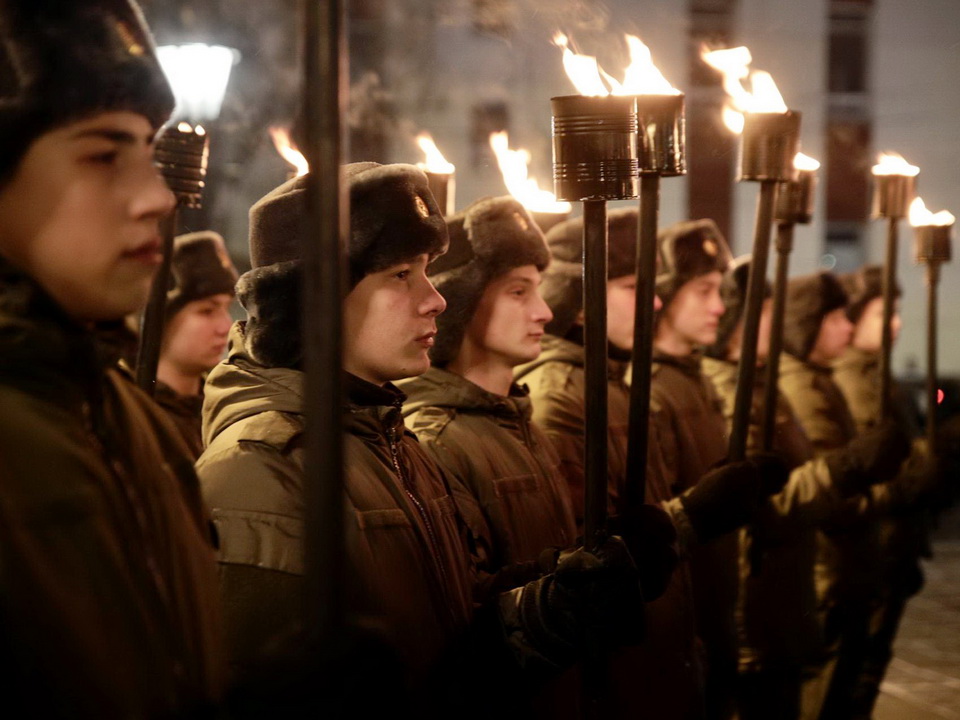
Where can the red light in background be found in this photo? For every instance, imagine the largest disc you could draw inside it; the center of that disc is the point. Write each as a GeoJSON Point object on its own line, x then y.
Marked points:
{"type": "Point", "coordinates": [939, 396]}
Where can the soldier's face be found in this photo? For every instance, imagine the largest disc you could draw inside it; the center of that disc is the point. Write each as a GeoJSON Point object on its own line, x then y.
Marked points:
{"type": "Point", "coordinates": [509, 320]}
{"type": "Point", "coordinates": [390, 322]}
{"type": "Point", "coordinates": [868, 333]}
{"type": "Point", "coordinates": [694, 313]}
{"type": "Point", "coordinates": [80, 215]}
{"type": "Point", "coordinates": [195, 338]}
{"type": "Point", "coordinates": [621, 311]}
{"type": "Point", "coordinates": [833, 337]}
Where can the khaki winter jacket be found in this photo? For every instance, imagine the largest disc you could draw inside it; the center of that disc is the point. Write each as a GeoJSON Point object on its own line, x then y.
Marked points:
{"type": "Point", "coordinates": [412, 580]}
{"type": "Point", "coordinates": [108, 594]}
{"type": "Point", "coordinates": [503, 471]}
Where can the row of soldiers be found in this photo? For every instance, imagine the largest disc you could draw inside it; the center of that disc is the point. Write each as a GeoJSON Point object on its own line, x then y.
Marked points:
{"type": "Point", "coordinates": [139, 580]}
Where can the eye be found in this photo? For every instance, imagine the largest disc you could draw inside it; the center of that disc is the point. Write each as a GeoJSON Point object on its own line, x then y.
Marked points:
{"type": "Point", "coordinates": [402, 275]}
{"type": "Point", "coordinates": [103, 158]}
{"type": "Point", "coordinates": [519, 292]}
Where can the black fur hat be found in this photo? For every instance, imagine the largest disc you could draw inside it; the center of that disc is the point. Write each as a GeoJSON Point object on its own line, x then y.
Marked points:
{"type": "Point", "coordinates": [200, 267]}
{"type": "Point", "coordinates": [393, 217]}
{"type": "Point", "coordinates": [562, 286]}
{"type": "Point", "coordinates": [65, 60]}
{"type": "Point", "coordinates": [490, 237]}
{"type": "Point", "coordinates": [733, 292]}
{"type": "Point", "coordinates": [687, 250]}
{"type": "Point", "coordinates": [862, 286]}
{"type": "Point", "coordinates": [809, 299]}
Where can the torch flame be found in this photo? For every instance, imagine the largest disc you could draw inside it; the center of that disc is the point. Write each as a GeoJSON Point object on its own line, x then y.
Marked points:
{"type": "Point", "coordinates": [893, 164]}
{"type": "Point", "coordinates": [513, 167]}
{"type": "Point", "coordinates": [919, 215]}
{"type": "Point", "coordinates": [288, 151]}
{"type": "Point", "coordinates": [436, 162]}
{"type": "Point", "coordinates": [763, 95]}
{"type": "Point", "coordinates": [641, 76]}
{"type": "Point", "coordinates": [805, 162]}
{"type": "Point", "coordinates": [184, 127]}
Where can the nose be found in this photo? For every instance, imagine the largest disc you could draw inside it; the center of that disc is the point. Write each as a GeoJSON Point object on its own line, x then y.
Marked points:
{"type": "Point", "coordinates": [152, 199]}
{"type": "Point", "coordinates": [657, 303]}
{"type": "Point", "coordinates": [225, 322]}
{"type": "Point", "coordinates": [542, 312]}
{"type": "Point", "coordinates": [433, 302]}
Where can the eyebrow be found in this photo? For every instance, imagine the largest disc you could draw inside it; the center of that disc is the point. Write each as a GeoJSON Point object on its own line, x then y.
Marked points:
{"type": "Point", "coordinates": [117, 136]}
{"type": "Point", "coordinates": [524, 280]}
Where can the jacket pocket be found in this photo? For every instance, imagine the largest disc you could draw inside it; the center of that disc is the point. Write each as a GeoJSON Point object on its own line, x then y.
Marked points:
{"type": "Point", "coordinates": [264, 540]}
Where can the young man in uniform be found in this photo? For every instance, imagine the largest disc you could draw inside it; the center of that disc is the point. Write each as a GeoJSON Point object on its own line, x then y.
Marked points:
{"type": "Point", "coordinates": [413, 577]}
{"type": "Point", "coordinates": [195, 332]}
{"type": "Point", "coordinates": [108, 598]}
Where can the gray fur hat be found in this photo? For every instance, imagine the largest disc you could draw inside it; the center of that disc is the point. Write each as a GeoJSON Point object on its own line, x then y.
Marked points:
{"type": "Point", "coordinates": [733, 292]}
{"type": "Point", "coordinates": [393, 218]}
{"type": "Point", "coordinates": [687, 250]}
{"type": "Point", "coordinates": [200, 267]}
{"type": "Point", "coordinates": [809, 299]}
{"type": "Point", "coordinates": [862, 286]}
{"type": "Point", "coordinates": [65, 60]}
{"type": "Point", "coordinates": [562, 286]}
{"type": "Point", "coordinates": [488, 238]}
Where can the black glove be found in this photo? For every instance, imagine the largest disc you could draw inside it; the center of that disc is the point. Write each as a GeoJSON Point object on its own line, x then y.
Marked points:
{"type": "Point", "coordinates": [651, 538]}
{"type": "Point", "coordinates": [918, 486]}
{"type": "Point", "coordinates": [774, 472]}
{"type": "Point", "coordinates": [873, 457]}
{"type": "Point", "coordinates": [593, 598]}
{"type": "Point", "coordinates": [723, 500]}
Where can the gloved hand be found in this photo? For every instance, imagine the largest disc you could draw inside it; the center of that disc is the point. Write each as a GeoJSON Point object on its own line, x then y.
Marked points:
{"type": "Point", "coordinates": [591, 598]}
{"type": "Point", "coordinates": [918, 485]}
{"type": "Point", "coordinates": [723, 500]}
{"type": "Point", "coordinates": [873, 457]}
{"type": "Point", "coordinates": [774, 472]}
{"type": "Point", "coordinates": [651, 538]}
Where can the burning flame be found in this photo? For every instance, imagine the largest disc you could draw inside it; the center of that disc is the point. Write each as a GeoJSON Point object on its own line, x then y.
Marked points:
{"type": "Point", "coordinates": [436, 162]}
{"type": "Point", "coordinates": [919, 215]}
{"type": "Point", "coordinates": [288, 151]}
{"type": "Point", "coordinates": [763, 95]}
{"type": "Point", "coordinates": [894, 164]}
{"type": "Point", "coordinates": [805, 162]}
{"type": "Point", "coordinates": [641, 76]}
{"type": "Point", "coordinates": [513, 166]}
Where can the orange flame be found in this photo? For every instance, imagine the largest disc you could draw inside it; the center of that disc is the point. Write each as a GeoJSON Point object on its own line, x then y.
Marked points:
{"type": "Point", "coordinates": [762, 97]}
{"type": "Point", "coordinates": [436, 162]}
{"type": "Point", "coordinates": [805, 162]}
{"type": "Point", "coordinates": [641, 76]}
{"type": "Point", "coordinates": [893, 164]}
{"type": "Point", "coordinates": [288, 151]}
{"type": "Point", "coordinates": [513, 166]}
{"type": "Point", "coordinates": [920, 216]}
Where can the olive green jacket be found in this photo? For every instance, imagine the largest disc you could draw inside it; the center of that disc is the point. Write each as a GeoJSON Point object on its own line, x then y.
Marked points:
{"type": "Point", "coordinates": [503, 470]}
{"type": "Point", "coordinates": [412, 577]}
{"type": "Point", "coordinates": [108, 589]}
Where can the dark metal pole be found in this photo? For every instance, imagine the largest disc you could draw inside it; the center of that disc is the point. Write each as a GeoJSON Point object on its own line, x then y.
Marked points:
{"type": "Point", "coordinates": [595, 351]}
{"type": "Point", "coordinates": [933, 280]}
{"type": "Point", "coordinates": [325, 96]}
{"type": "Point", "coordinates": [151, 329]}
{"type": "Point", "coordinates": [751, 320]}
{"type": "Point", "coordinates": [770, 394]}
{"type": "Point", "coordinates": [639, 424]}
{"type": "Point", "coordinates": [889, 290]}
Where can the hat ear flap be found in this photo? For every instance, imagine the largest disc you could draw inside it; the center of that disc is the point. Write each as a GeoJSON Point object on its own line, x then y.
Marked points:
{"type": "Point", "coordinates": [271, 295]}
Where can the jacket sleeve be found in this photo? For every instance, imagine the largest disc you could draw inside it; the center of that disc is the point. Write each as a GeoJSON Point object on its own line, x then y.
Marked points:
{"type": "Point", "coordinates": [808, 500]}
{"type": "Point", "coordinates": [817, 419]}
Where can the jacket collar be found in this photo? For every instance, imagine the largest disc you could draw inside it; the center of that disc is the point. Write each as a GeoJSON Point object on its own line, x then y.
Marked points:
{"type": "Point", "coordinates": [688, 364]}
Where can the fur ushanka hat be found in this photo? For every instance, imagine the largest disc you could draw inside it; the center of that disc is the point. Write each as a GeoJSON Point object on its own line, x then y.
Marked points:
{"type": "Point", "coordinates": [862, 286]}
{"type": "Point", "coordinates": [733, 292]}
{"type": "Point", "coordinates": [562, 286]}
{"type": "Point", "coordinates": [809, 299]}
{"type": "Point", "coordinates": [393, 218]}
{"type": "Point", "coordinates": [64, 60]}
{"type": "Point", "coordinates": [200, 267]}
{"type": "Point", "coordinates": [687, 250]}
{"type": "Point", "coordinates": [490, 237]}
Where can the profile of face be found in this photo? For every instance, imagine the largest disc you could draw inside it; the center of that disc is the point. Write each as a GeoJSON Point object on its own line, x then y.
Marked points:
{"type": "Point", "coordinates": [692, 317]}
{"type": "Point", "coordinates": [510, 317]}
{"type": "Point", "coordinates": [833, 337]}
{"type": "Point", "coordinates": [81, 214]}
{"type": "Point", "coordinates": [868, 332]}
{"type": "Point", "coordinates": [763, 334]}
{"type": "Point", "coordinates": [390, 322]}
{"type": "Point", "coordinates": [196, 336]}
{"type": "Point", "coordinates": [621, 311]}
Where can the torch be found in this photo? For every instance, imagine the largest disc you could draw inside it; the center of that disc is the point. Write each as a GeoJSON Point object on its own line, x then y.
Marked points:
{"type": "Point", "coordinates": [594, 160]}
{"type": "Point", "coordinates": [794, 206]}
{"type": "Point", "coordinates": [768, 144]}
{"type": "Point", "coordinates": [932, 240]}
{"type": "Point", "coordinates": [894, 189]}
{"type": "Point", "coordinates": [543, 205]}
{"type": "Point", "coordinates": [440, 174]}
{"type": "Point", "coordinates": [198, 75]}
{"type": "Point", "coordinates": [289, 152]}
